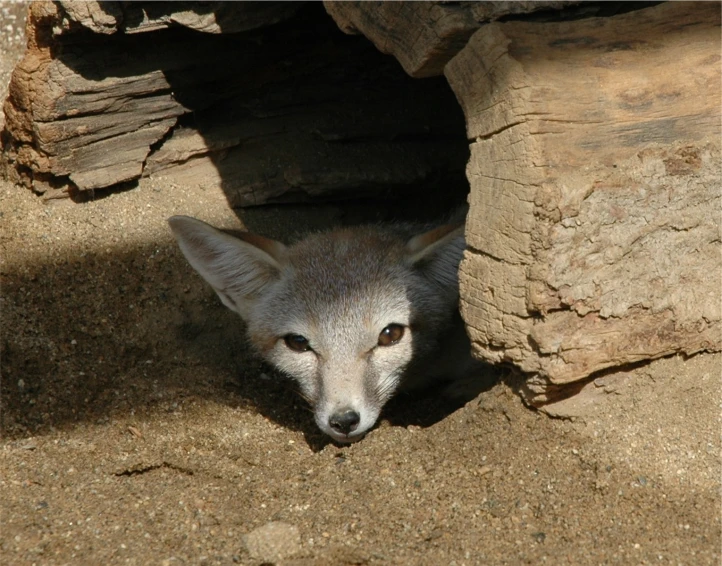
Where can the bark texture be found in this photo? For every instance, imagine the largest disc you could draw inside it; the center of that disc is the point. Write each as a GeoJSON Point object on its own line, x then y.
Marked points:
{"type": "Point", "coordinates": [595, 191]}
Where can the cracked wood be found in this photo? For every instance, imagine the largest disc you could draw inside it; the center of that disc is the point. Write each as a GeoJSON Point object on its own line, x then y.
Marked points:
{"type": "Point", "coordinates": [595, 164]}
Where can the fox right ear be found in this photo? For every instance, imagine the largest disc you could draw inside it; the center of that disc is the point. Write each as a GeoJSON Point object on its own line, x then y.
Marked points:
{"type": "Point", "coordinates": [437, 255]}
{"type": "Point", "coordinates": [237, 268]}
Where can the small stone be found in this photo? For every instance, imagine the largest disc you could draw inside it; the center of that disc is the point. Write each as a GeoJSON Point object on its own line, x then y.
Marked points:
{"type": "Point", "coordinates": [273, 541]}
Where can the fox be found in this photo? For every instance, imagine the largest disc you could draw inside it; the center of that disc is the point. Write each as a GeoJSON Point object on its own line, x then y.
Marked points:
{"type": "Point", "coordinates": [354, 314]}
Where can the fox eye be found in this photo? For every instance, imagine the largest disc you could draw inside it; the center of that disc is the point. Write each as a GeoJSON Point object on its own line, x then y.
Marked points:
{"type": "Point", "coordinates": [391, 335]}
{"type": "Point", "coordinates": [296, 342]}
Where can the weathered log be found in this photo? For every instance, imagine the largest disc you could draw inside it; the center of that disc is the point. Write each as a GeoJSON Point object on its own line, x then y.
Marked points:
{"type": "Point", "coordinates": [424, 36]}
{"type": "Point", "coordinates": [276, 114]}
{"type": "Point", "coordinates": [595, 190]}
{"type": "Point", "coordinates": [92, 115]}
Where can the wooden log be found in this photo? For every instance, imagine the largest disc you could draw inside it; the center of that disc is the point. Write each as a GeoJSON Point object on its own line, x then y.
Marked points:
{"type": "Point", "coordinates": [85, 110]}
{"type": "Point", "coordinates": [90, 116]}
{"type": "Point", "coordinates": [595, 172]}
{"type": "Point", "coordinates": [424, 36]}
{"type": "Point", "coordinates": [281, 113]}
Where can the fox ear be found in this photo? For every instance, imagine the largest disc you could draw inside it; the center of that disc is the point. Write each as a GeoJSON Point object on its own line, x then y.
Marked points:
{"type": "Point", "coordinates": [237, 268]}
{"type": "Point", "coordinates": [437, 255]}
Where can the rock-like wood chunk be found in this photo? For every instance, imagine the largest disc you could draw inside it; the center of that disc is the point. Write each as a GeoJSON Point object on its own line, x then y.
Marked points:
{"type": "Point", "coordinates": [593, 233]}
{"type": "Point", "coordinates": [90, 115]}
{"type": "Point", "coordinates": [85, 109]}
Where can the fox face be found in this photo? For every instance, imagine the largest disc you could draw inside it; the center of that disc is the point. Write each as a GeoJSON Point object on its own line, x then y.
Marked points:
{"type": "Point", "coordinates": [349, 314]}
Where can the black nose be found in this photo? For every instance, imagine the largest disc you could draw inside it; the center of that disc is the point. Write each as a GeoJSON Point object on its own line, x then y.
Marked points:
{"type": "Point", "coordinates": [345, 421]}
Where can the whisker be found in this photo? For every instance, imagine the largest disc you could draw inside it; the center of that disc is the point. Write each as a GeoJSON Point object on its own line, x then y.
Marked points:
{"type": "Point", "coordinates": [387, 384]}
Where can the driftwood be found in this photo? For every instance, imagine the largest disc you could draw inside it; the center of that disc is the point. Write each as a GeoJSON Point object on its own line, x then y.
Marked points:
{"type": "Point", "coordinates": [281, 113]}
{"type": "Point", "coordinates": [595, 191]}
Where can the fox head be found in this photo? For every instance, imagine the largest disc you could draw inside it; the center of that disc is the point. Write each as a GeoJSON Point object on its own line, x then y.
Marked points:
{"type": "Point", "coordinates": [344, 313]}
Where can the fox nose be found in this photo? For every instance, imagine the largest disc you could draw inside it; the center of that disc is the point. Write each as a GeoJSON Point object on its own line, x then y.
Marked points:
{"type": "Point", "coordinates": [344, 421]}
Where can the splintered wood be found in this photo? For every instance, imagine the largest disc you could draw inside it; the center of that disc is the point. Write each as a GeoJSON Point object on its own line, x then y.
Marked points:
{"type": "Point", "coordinates": [595, 191]}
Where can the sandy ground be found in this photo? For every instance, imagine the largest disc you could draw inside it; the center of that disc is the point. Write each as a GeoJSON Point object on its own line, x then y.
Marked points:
{"type": "Point", "coordinates": [139, 429]}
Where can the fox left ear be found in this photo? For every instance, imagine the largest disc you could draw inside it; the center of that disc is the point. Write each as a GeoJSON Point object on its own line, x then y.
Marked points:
{"type": "Point", "coordinates": [437, 255]}
{"type": "Point", "coordinates": [240, 269]}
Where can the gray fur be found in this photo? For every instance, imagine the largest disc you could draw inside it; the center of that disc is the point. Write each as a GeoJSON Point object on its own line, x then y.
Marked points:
{"type": "Point", "coordinates": [340, 289]}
